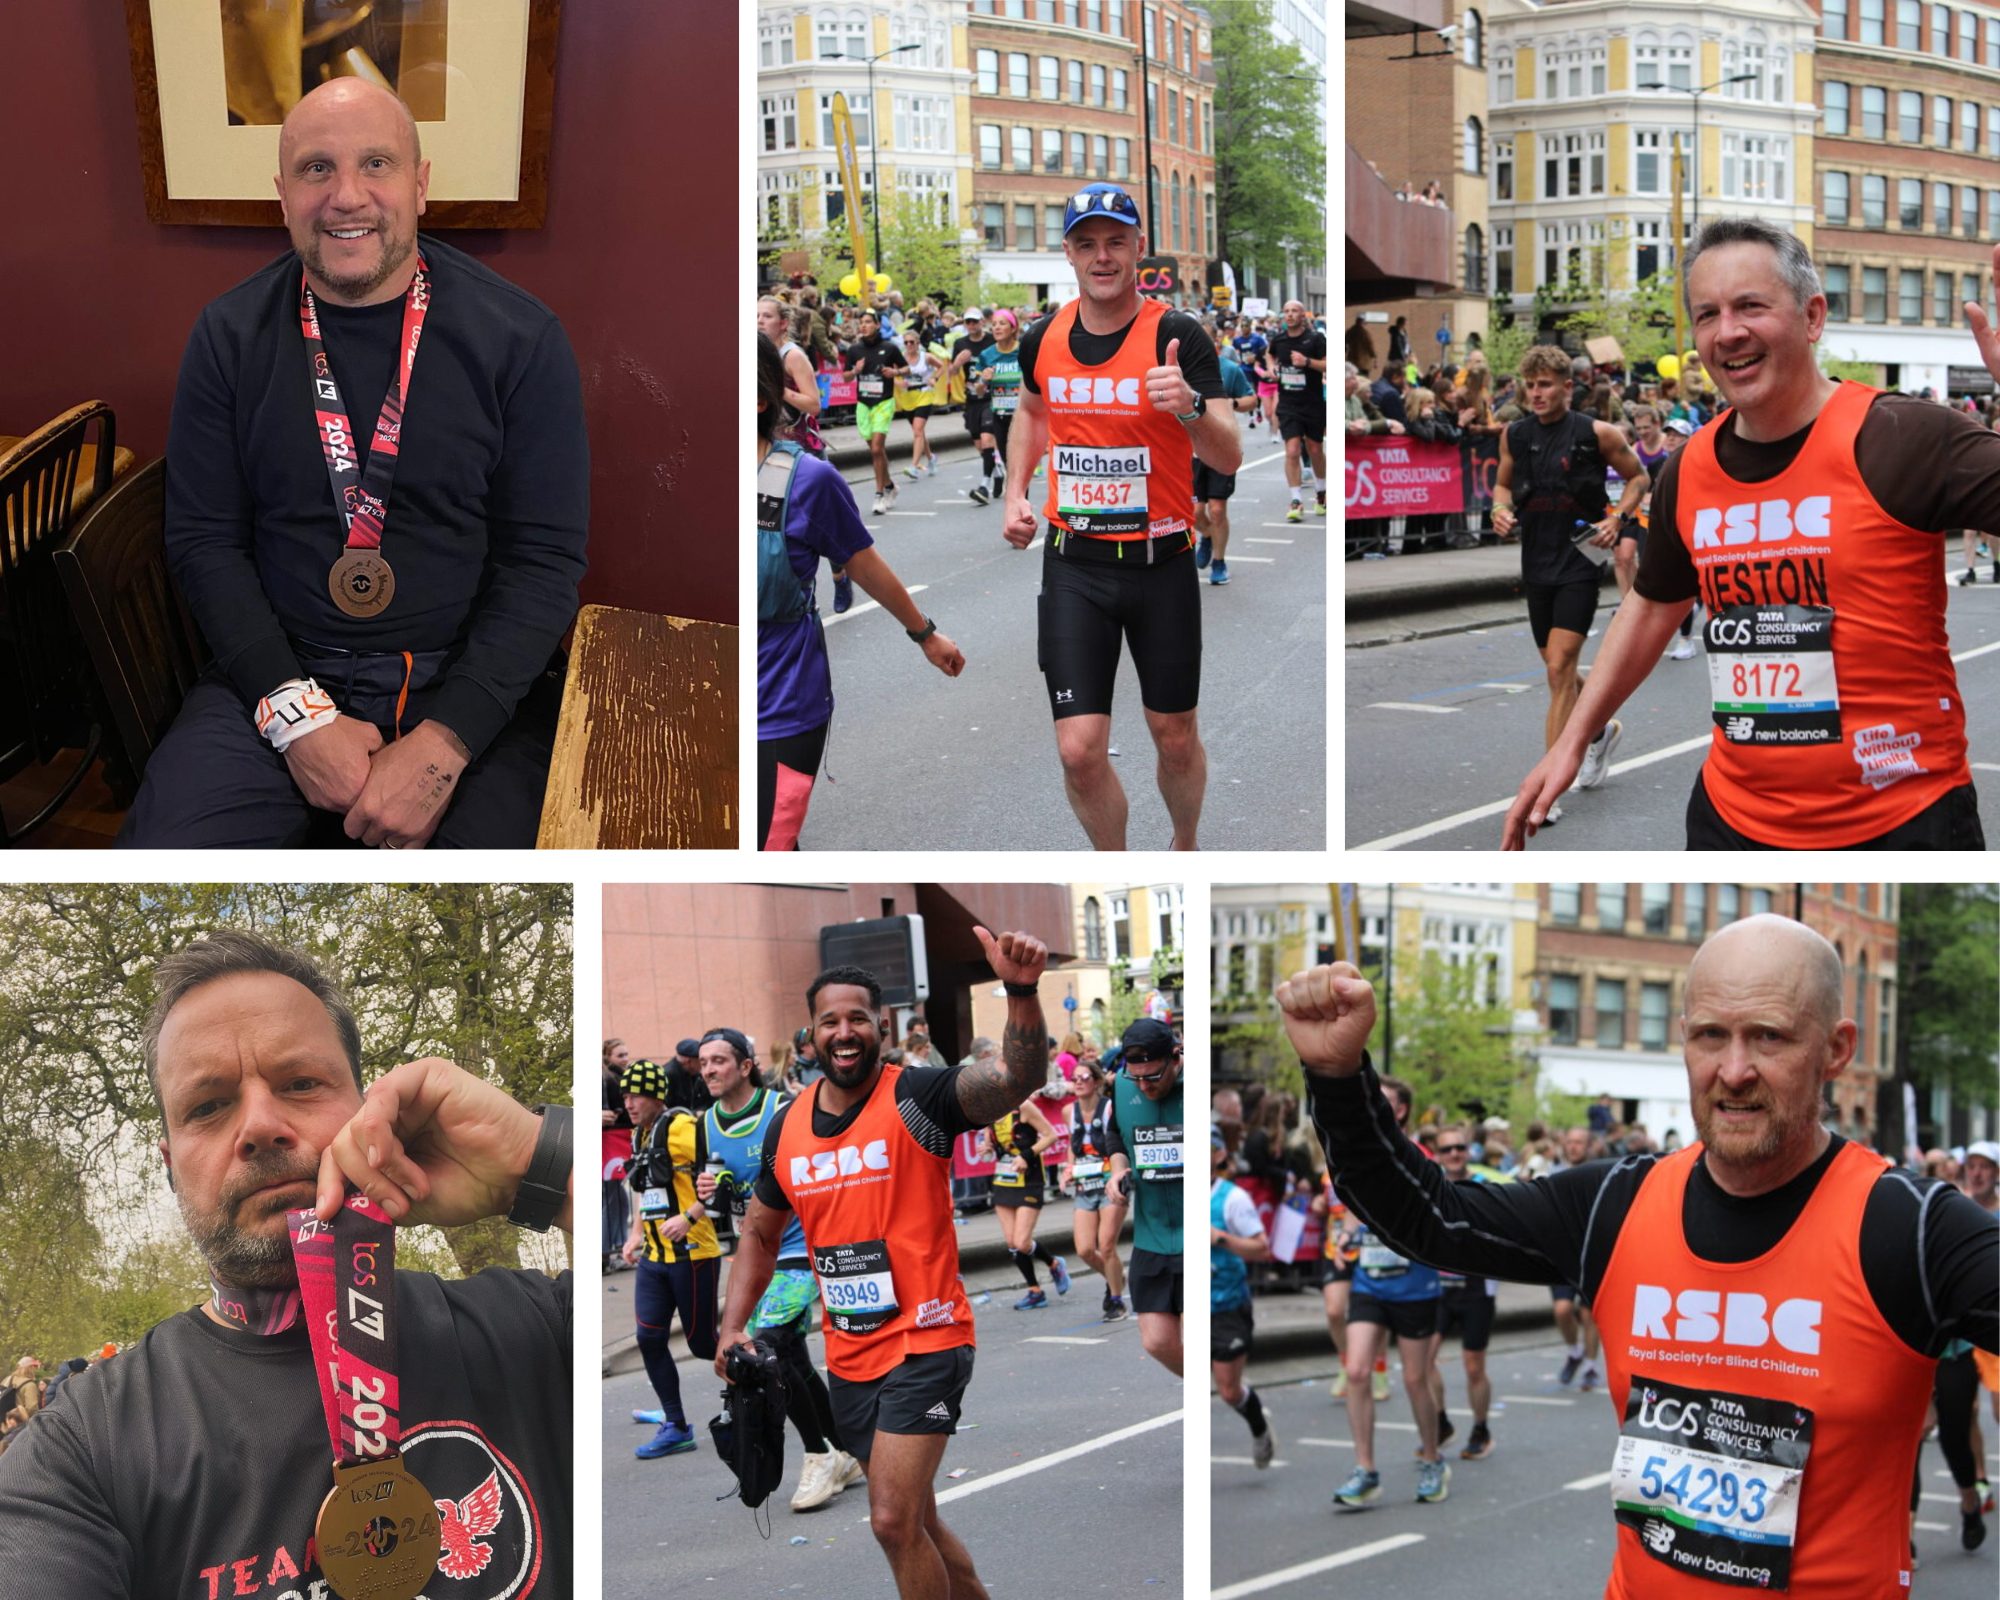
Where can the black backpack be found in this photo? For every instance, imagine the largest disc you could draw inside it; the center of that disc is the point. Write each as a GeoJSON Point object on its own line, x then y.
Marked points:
{"type": "Point", "coordinates": [750, 1433]}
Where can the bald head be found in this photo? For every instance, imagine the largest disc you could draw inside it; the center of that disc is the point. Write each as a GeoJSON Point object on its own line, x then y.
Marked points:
{"type": "Point", "coordinates": [347, 101]}
{"type": "Point", "coordinates": [1768, 942]}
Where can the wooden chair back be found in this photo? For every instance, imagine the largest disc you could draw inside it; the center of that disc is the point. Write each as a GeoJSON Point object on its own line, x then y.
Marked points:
{"type": "Point", "coordinates": [142, 642]}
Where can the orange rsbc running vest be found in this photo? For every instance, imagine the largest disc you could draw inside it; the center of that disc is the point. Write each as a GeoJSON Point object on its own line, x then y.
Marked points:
{"type": "Point", "coordinates": [1836, 706]}
{"type": "Point", "coordinates": [1118, 469]}
{"type": "Point", "coordinates": [876, 1208]}
{"type": "Point", "coordinates": [1769, 1416]}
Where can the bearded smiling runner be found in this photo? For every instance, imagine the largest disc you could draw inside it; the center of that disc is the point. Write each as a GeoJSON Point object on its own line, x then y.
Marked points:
{"type": "Point", "coordinates": [1772, 1282]}
{"type": "Point", "coordinates": [380, 535]}
{"type": "Point", "coordinates": [1808, 519]}
{"type": "Point", "coordinates": [196, 1463]}
{"type": "Point", "coordinates": [863, 1160]}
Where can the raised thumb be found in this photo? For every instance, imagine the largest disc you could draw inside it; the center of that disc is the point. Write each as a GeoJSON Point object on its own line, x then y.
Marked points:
{"type": "Point", "coordinates": [1173, 352]}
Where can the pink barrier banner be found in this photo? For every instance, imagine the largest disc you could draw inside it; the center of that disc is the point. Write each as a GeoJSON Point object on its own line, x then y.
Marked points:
{"type": "Point", "coordinates": [1390, 476]}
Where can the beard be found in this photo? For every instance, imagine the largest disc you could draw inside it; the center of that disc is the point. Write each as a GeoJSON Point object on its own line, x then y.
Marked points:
{"type": "Point", "coordinates": [236, 1256]}
{"type": "Point", "coordinates": [853, 1077]}
{"type": "Point", "coordinates": [1782, 1126]}
{"type": "Point", "coordinates": [393, 251]}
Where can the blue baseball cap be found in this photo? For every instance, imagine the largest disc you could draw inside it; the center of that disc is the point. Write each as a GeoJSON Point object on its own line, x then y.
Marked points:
{"type": "Point", "coordinates": [1100, 200]}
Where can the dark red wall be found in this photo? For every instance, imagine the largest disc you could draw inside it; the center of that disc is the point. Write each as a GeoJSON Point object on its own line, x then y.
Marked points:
{"type": "Point", "coordinates": [96, 302]}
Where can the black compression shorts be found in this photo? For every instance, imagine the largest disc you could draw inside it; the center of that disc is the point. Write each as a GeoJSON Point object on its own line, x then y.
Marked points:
{"type": "Point", "coordinates": [998, 423]}
{"type": "Point", "coordinates": [1302, 424]}
{"type": "Point", "coordinates": [975, 416]}
{"type": "Point", "coordinates": [1468, 1315]}
{"type": "Point", "coordinates": [1570, 606]}
{"type": "Point", "coordinates": [1091, 601]}
{"type": "Point", "coordinates": [1210, 484]}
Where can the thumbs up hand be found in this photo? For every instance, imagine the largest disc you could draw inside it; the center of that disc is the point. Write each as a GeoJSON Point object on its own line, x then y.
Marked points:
{"type": "Point", "coordinates": [1167, 387]}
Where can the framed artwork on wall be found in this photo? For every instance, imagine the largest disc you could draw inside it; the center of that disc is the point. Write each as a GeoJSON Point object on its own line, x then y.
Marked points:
{"type": "Point", "coordinates": [212, 81]}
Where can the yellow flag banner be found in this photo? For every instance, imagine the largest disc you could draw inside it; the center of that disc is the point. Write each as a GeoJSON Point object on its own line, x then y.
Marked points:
{"type": "Point", "coordinates": [850, 183]}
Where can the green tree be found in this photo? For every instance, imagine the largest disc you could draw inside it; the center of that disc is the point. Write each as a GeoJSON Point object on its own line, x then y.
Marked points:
{"type": "Point", "coordinates": [1451, 1045]}
{"type": "Point", "coordinates": [1640, 318]}
{"type": "Point", "coordinates": [1270, 163]}
{"type": "Point", "coordinates": [1948, 976]}
{"type": "Point", "coordinates": [923, 251]}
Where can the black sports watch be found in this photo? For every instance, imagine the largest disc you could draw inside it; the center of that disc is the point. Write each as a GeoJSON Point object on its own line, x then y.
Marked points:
{"type": "Point", "coordinates": [919, 635]}
{"type": "Point", "coordinates": [1200, 410]}
{"type": "Point", "coordinates": [545, 1187]}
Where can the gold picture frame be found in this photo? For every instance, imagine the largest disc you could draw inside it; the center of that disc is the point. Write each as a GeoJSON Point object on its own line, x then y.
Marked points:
{"type": "Point", "coordinates": [208, 103]}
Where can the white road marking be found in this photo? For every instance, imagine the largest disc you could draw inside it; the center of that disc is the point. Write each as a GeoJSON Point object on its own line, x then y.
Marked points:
{"type": "Point", "coordinates": [1596, 1481]}
{"type": "Point", "coordinates": [1261, 461]}
{"type": "Point", "coordinates": [1535, 1400]}
{"type": "Point", "coordinates": [1310, 1569]}
{"type": "Point", "coordinates": [830, 618]}
{"type": "Point", "coordinates": [1510, 688]}
{"type": "Point", "coordinates": [909, 513]}
{"type": "Point", "coordinates": [1278, 524]}
{"type": "Point", "coordinates": [1410, 705]}
{"type": "Point", "coordinates": [1262, 561]}
{"type": "Point", "coordinates": [1986, 766]}
{"type": "Point", "coordinates": [1057, 1458]}
{"type": "Point", "coordinates": [1933, 1527]}
{"type": "Point", "coordinates": [1498, 808]}
{"type": "Point", "coordinates": [1348, 1444]}
{"type": "Point", "coordinates": [1272, 541]}
{"type": "Point", "coordinates": [1245, 1461]}
{"type": "Point", "coordinates": [1058, 1338]}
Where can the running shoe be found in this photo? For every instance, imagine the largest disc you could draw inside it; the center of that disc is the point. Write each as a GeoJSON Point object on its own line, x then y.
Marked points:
{"type": "Point", "coordinates": [1380, 1384]}
{"type": "Point", "coordinates": [1361, 1489]}
{"type": "Point", "coordinates": [846, 1470]}
{"type": "Point", "coordinates": [673, 1439]}
{"type": "Point", "coordinates": [1683, 649]}
{"type": "Point", "coordinates": [1967, 576]}
{"type": "Point", "coordinates": [1059, 1271]}
{"type": "Point", "coordinates": [1445, 1434]}
{"type": "Point", "coordinates": [1985, 1496]}
{"type": "Point", "coordinates": [1339, 1390]}
{"type": "Point", "coordinates": [815, 1482]}
{"type": "Point", "coordinates": [912, 473]}
{"type": "Point", "coordinates": [1319, 506]}
{"type": "Point", "coordinates": [654, 1417]}
{"type": "Point", "coordinates": [1202, 551]}
{"type": "Point", "coordinates": [930, 471]}
{"type": "Point", "coordinates": [1218, 573]}
{"type": "Point", "coordinates": [879, 506]}
{"type": "Point", "coordinates": [1971, 1529]}
{"type": "Point", "coordinates": [1597, 757]}
{"type": "Point", "coordinates": [1591, 1377]}
{"type": "Point", "coordinates": [1033, 1300]}
{"type": "Point", "coordinates": [1433, 1481]}
{"type": "Point", "coordinates": [1264, 1445]}
{"type": "Point", "coordinates": [1114, 1308]}
{"type": "Point", "coordinates": [1296, 514]}
{"type": "Point", "coordinates": [977, 494]}
{"type": "Point", "coordinates": [1553, 815]}
{"type": "Point", "coordinates": [843, 592]}
{"type": "Point", "coordinates": [1479, 1445]}
{"type": "Point", "coordinates": [1568, 1374]}
{"type": "Point", "coordinates": [889, 496]}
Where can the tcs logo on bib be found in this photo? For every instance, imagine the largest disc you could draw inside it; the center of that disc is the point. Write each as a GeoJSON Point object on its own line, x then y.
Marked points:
{"type": "Point", "coordinates": [844, 1162]}
{"type": "Point", "coordinates": [1762, 522]}
{"type": "Point", "coordinates": [1092, 391]}
{"type": "Point", "coordinates": [1794, 1324]}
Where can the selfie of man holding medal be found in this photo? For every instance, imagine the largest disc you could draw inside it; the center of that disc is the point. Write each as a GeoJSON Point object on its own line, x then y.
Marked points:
{"type": "Point", "coordinates": [377, 503]}
{"type": "Point", "coordinates": [322, 1416]}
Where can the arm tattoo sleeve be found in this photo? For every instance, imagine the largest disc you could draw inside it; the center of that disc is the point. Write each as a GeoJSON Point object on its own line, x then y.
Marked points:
{"type": "Point", "coordinates": [987, 1091]}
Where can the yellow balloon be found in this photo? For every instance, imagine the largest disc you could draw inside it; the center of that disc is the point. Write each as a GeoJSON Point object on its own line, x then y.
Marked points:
{"type": "Point", "coordinates": [850, 285]}
{"type": "Point", "coordinates": [1670, 366]}
{"type": "Point", "coordinates": [881, 281]}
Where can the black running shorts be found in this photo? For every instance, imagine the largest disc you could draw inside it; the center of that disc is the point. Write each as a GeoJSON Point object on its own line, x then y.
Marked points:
{"type": "Point", "coordinates": [1230, 1333]}
{"type": "Point", "coordinates": [1210, 484]}
{"type": "Point", "coordinates": [1155, 1281]}
{"type": "Point", "coordinates": [921, 1394]}
{"type": "Point", "coordinates": [1560, 605]}
{"type": "Point", "coordinates": [1302, 424]}
{"type": "Point", "coordinates": [1090, 602]}
{"type": "Point", "coordinates": [998, 423]}
{"type": "Point", "coordinates": [1027, 1194]}
{"type": "Point", "coordinates": [1407, 1319]}
{"type": "Point", "coordinates": [975, 416]}
{"type": "Point", "coordinates": [1468, 1314]}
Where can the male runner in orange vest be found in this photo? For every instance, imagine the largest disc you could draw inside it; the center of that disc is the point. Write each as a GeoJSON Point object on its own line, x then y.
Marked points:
{"type": "Point", "coordinates": [863, 1157]}
{"type": "Point", "coordinates": [1773, 1300]}
{"type": "Point", "coordinates": [1807, 519]}
{"type": "Point", "coordinates": [1115, 392]}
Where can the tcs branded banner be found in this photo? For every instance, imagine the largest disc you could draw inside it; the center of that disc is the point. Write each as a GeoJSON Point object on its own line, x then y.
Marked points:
{"type": "Point", "coordinates": [1396, 476]}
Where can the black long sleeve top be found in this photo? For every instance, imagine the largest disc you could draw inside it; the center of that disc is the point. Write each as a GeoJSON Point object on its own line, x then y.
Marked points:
{"type": "Point", "coordinates": [488, 515]}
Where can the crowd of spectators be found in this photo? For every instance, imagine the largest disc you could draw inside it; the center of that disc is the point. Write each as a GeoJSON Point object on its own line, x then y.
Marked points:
{"type": "Point", "coordinates": [24, 1391]}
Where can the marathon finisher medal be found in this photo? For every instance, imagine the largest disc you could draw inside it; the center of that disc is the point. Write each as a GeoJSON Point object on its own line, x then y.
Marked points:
{"type": "Point", "coordinates": [378, 1536]}
{"type": "Point", "coordinates": [361, 581]}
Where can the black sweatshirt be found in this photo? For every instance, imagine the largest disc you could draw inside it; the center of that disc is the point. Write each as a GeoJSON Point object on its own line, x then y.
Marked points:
{"type": "Point", "coordinates": [487, 518]}
{"type": "Point", "coordinates": [1931, 1257]}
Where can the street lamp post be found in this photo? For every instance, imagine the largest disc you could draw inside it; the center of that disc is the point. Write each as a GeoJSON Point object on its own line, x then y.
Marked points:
{"type": "Point", "coordinates": [874, 140]}
{"type": "Point", "coordinates": [1694, 134]}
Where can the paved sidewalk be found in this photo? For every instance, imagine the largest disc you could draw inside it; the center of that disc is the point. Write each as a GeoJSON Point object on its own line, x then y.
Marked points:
{"type": "Point", "coordinates": [982, 1260]}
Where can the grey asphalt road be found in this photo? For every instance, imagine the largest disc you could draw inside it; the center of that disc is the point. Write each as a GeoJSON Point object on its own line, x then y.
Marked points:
{"type": "Point", "coordinates": [1070, 1448]}
{"type": "Point", "coordinates": [1532, 1518]}
{"type": "Point", "coordinates": [922, 762]}
{"type": "Point", "coordinates": [1441, 731]}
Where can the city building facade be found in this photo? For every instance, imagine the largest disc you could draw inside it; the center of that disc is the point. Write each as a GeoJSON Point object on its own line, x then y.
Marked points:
{"type": "Point", "coordinates": [1582, 148]}
{"type": "Point", "coordinates": [1907, 165]}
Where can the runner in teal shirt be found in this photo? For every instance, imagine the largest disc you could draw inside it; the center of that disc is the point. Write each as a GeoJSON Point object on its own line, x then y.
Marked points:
{"type": "Point", "coordinates": [1148, 1158]}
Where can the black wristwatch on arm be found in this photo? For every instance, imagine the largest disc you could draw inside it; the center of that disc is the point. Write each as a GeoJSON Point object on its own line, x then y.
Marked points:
{"type": "Point", "coordinates": [919, 635]}
{"type": "Point", "coordinates": [545, 1186]}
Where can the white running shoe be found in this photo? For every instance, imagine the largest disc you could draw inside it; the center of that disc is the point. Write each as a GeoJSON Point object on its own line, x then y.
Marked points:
{"type": "Point", "coordinates": [889, 497]}
{"type": "Point", "coordinates": [1683, 649]}
{"type": "Point", "coordinates": [1553, 816]}
{"type": "Point", "coordinates": [880, 504]}
{"type": "Point", "coordinates": [846, 1470]}
{"type": "Point", "coordinates": [1263, 1446]}
{"type": "Point", "coordinates": [815, 1482]}
{"type": "Point", "coordinates": [1597, 758]}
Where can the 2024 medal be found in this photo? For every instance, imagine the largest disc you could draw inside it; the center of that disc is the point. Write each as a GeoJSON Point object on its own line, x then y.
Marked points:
{"type": "Point", "coordinates": [362, 583]}
{"type": "Point", "coordinates": [378, 1533]}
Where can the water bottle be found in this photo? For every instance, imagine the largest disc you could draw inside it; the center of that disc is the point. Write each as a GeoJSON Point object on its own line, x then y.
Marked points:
{"type": "Point", "coordinates": [1581, 536]}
